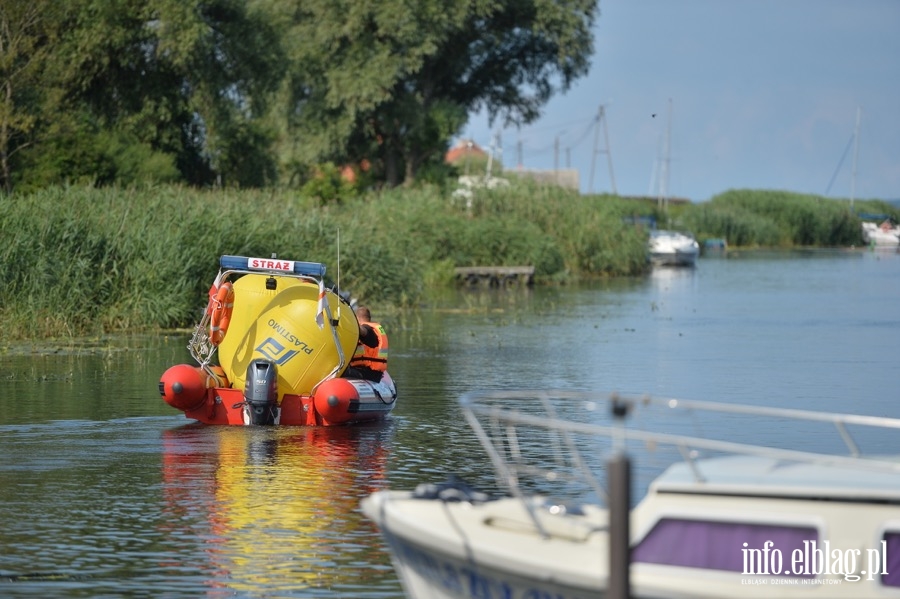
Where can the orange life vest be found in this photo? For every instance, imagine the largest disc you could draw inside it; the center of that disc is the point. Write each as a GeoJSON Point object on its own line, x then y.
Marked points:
{"type": "Point", "coordinates": [372, 357]}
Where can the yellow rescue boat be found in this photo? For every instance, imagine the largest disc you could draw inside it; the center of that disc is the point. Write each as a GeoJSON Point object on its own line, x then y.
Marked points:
{"type": "Point", "coordinates": [270, 348]}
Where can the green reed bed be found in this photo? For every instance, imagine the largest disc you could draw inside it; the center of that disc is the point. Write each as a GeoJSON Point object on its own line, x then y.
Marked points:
{"type": "Point", "coordinates": [586, 234]}
{"type": "Point", "coordinates": [762, 218]}
{"type": "Point", "coordinates": [82, 261]}
{"type": "Point", "coordinates": [85, 261]}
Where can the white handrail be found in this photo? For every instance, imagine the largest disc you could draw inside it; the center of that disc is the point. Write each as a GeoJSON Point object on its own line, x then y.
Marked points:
{"type": "Point", "coordinates": [505, 410]}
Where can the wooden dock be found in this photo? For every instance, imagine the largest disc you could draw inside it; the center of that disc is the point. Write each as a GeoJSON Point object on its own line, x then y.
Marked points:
{"type": "Point", "coordinates": [495, 276]}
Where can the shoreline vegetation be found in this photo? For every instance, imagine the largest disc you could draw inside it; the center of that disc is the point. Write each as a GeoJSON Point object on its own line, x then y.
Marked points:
{"type": "Point", "coordinates": [84, 261]}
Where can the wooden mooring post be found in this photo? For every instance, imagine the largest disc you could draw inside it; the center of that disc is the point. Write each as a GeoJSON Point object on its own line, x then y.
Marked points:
{"type": "Point", "coordinates": [618, 469]}
{"type": "Point", "coordinates": [619, 472]}
{"type": "Point", "coordinates": [495, 276]}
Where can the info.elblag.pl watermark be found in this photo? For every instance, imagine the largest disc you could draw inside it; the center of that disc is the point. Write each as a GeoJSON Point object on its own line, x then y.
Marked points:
{"type": "Point", "coordinates": [813, 560]}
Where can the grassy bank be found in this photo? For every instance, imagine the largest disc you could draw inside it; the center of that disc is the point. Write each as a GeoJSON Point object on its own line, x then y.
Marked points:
{"type": "Point", "coordinates": [83, 261]}
{"type": "Point", "coordinates": [752, 218]}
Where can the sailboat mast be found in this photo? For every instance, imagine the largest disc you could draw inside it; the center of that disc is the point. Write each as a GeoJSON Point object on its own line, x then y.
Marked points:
{"type": "Point", "coordinates": [663, 199]}
{"type": "Point", "coordinates": [855, 157]}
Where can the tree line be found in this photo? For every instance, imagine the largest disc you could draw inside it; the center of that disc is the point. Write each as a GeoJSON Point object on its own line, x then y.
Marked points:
{"type": "Point", "coordinates": [258, 93]}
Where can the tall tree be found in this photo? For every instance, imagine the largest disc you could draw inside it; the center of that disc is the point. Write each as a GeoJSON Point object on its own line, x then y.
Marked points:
{"type": "Point", "coordinates": [395, 80]}
{"type": "Point", "coordinates": [141, 87]}
{"type": "Point", "coordinates": [128, 90]}
{"type": "Point", "coordinates": [26, 35]}
{"type": "Point", "coordinates": [508, 57]}
{"type": "Point", "coordinates": [229, 60]}
{"type": "Point", "coordinates": [85, 125]}
{"type": "Point", "coordinates": [345, 58]}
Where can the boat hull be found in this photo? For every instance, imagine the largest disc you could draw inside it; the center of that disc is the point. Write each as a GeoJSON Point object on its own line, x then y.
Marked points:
{"type": "Point", "coordinates": [436, 559]}
{"type": "Point", "coordinates": [886, 236]}
{"type": "Point", "coordinates": [456, 549]}
{"type": "Point", "coordinates": [672, 248]}
{"type": "Point", "coordinates": [676, 258]}
{"type": "Point", "coordinates": [337, 401]}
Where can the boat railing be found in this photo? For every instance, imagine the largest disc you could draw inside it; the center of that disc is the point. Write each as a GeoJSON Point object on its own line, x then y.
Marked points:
{"type": "Point", "coordinates": [548, 439]}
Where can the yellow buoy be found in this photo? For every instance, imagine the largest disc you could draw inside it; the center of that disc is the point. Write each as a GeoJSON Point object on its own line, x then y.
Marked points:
{"type": "Point", "coordinates": [280, 325]}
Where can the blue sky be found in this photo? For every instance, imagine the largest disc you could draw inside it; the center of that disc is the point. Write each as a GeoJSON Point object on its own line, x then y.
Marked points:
{"type": "Point", "coordinates": [764, 95]}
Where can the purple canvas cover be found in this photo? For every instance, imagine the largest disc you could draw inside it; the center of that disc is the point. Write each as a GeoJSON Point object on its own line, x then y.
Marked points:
{"type": "Point", "coordinates": [891, 576]}
{"type": "Point", "coordinates": [718, 545]}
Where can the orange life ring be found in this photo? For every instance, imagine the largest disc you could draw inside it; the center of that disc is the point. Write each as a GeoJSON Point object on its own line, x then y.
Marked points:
{"type": "Point", "coordinates": [220, 316]}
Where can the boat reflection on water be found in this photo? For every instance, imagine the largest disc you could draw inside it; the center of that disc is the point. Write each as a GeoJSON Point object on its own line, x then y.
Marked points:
{"type": "Point", "coordinates": [280, 504]}
{"type": "Point", "coordinates": [668, 278]}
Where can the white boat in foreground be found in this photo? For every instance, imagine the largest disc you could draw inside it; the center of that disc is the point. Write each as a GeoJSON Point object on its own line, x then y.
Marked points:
{"type": "Point", "coordinates": [672, 248]}
{"type": "Point", "coordinates": [726, 520]}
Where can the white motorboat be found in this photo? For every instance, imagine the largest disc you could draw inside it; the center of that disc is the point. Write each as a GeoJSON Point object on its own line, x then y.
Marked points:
{"type": "Point", "coordinates": [885, 234]}
{"type": "Point", "coordinates": [725, 520]}
{"type": "Point", "coordinates": [672, 248]}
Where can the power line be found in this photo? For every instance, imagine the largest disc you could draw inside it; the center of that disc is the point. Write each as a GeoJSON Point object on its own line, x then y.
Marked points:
{"type": "Point", "coordinates": [523, 139]}
{"type": "Point", "coordinates": [601, 118]}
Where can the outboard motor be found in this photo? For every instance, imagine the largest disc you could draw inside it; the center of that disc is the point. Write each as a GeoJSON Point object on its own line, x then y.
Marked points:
{"type": "Point", "coordinates": [261, 391]}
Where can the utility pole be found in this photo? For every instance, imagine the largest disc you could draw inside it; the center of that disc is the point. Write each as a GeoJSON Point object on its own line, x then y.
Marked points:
{"type": "Point", "coordinates": [601, 119]}
{"type": "Point", "coordinates": [496, 147]}
{"type": "Point", "coordinates": [556, 159]}
{"type": "Point", "coordinates": [556, 153]}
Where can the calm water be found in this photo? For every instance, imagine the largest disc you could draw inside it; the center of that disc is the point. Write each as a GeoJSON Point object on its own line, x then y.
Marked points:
{"type": "Point", "coordinates": [105, 491]}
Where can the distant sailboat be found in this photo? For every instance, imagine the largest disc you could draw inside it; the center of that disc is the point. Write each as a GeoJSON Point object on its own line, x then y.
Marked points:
{"type": "Point", "coordinates": [883, 232]}
{"type": "Point", "coordinates": [669, 247]}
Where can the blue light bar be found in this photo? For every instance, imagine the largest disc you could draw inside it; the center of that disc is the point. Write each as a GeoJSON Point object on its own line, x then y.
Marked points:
{"type": "Point", "coordinates": [275, 265]}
